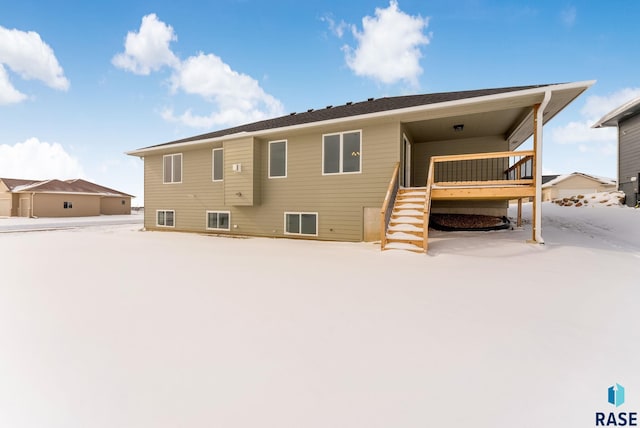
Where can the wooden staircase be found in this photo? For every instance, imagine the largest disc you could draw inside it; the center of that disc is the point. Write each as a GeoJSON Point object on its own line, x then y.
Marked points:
{"type": "Point", "coordinates": [406, 225]}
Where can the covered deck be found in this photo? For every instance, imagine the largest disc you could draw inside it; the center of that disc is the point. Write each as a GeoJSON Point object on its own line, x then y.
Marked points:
{"type": "Point", "coordinates": [488, 176]}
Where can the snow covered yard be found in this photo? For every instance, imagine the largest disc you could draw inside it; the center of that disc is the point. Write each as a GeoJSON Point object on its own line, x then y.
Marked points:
{"type": "Point", "coordinates": [113, 327]}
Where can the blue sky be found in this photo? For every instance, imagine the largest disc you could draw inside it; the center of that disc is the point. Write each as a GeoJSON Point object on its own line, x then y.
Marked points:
{"type": "Point", "coordinates": [83, 82]}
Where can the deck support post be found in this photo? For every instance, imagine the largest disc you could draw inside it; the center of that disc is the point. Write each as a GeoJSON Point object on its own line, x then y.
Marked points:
{"type": "Point", "coordinates": [538, 121]}
{"type": "Point", "coordinates": [536, 148]}
{"type": "Point", "coordinates": [519, 222]}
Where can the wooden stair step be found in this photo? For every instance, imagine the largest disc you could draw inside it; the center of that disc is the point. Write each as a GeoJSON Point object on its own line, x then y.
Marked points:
{"type": "Point", "coordinates": [406, 227]}
{"type": "Point", "coordinates": [409, 206]}
{"type": "Point", "coordinates": [404, 246]}
{"type": "Point", "coordinates": [411, 235]}
{"type": "Point", "coordinates": [407, 212]}
{"type": "Point", "coordinates": [406, 220]}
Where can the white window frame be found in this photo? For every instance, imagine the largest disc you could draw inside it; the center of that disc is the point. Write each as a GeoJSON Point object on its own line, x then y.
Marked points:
{"type": "Point", "coordinates": [299, 214]}
{"type": "Point", "coordinates": [164, 178]}
{"type": "Point", "coordinates": [341, 134]}
{"type": "Point", "coordinates": [286, 159]}
{"type": "Point", "coordinates": [206, 220]}
{"type": "Point", "coordinates": [213, 163]}
{"type": "Point", "coordinates": [165, 218]}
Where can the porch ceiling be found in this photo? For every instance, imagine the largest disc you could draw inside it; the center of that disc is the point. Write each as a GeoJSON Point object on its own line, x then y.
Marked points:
{"type": "Point", "coordinates": [511, 119]}
{"type": "Point", "coordinates": [491, 123]}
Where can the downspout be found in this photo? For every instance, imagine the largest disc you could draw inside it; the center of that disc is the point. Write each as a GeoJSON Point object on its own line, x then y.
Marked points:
{"type": "Point", "coordinates": [537, 232]}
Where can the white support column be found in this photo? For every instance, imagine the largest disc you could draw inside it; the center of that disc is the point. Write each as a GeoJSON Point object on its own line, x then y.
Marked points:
{"type": "Point", "coordinates": [537, 175]}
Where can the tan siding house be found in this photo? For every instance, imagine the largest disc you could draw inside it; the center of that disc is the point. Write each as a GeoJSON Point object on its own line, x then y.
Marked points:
{"type": "Point", "coordinates": [574, 184]}
{"type": "Point", "coordinates": [56, 198]}
{"type": "Point", "coordinates": [325, 174]}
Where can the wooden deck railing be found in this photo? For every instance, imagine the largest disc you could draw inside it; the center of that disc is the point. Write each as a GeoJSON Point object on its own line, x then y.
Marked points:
{"type": "Point", "coordinates": [495, 175]}
{"type": "Point", "coordinates": [478, 169]}
{"type": "Point", "coordinates": [387, 205]}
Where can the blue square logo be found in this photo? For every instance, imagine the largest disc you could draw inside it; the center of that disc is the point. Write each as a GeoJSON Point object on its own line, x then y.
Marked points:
{"type": "Point", "coordinates": [616, 395]}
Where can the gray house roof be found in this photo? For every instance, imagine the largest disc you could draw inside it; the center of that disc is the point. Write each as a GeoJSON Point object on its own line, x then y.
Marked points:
{"type": "Point", "coordinates": [625, 111]}
{"type": "Point", "coordinates": [352, 109]}
{"type": "Point", "coordinates": [517, 99]}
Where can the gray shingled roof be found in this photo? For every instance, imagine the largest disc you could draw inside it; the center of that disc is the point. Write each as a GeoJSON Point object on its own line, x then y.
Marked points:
{"type": "Point", "coordinates": [352, 109]}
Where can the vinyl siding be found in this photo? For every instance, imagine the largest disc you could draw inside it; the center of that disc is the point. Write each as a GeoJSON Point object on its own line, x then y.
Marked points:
{"type": "Point", "coordinates": [629, 157]}
{"type": "Point", "coordinates": [114, 205]}
{"type": "Point", "coordinates": [339, 200]}
{"type": "Point", "coordinates": [5, 201]}
{"type": "Point", "coordinates": [52, 205]}
{"type": "Point", "coordinates": [239, 187]}
{"type": "Point", "coordinates": [189, 199]}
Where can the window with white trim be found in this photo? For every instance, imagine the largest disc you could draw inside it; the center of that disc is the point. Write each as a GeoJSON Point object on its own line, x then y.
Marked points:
{"type": "Point", "coordinates": [301, 223]}
{"type": "Point", "coordinates": [278, 159]}
{"type": "Point", "coordinates": [172, 168]}
{"type": "Point", "coordinates": [218, 220]}
{"type": "Point", "coordinates": [165, 218]}
{"type": "Point", "coordinates": [217, 164]}
{"type": "Point", "coordinates": [341, 153]}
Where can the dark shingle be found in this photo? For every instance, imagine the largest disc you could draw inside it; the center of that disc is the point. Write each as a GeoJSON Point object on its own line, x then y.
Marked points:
{"type": "Point", "coordinates": [352, 109]}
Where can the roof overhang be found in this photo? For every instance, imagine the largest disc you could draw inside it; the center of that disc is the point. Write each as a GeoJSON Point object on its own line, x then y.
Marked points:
{"type": "Point", "coordinates": [561, 95]}
{"type": "Point", "coordinates": [623, 112]}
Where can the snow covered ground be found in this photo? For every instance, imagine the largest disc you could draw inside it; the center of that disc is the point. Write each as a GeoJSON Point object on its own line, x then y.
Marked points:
{"type": "Point", "coordinates": [109, 326]}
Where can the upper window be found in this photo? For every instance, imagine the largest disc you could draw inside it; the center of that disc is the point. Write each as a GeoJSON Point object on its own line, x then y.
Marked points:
{"type": "Point", "coordinates": [172, 168]}
{"type": "Point", "coordinates": [218, 220]}
{"type": "Point", "coordinates": [277, 159]}
{"type": "Point", "coordinates": [165, 218]}
{"type": "Point", "coordinates": [218, 165]}
{"type": "Point", "coordinates": [341, 153]}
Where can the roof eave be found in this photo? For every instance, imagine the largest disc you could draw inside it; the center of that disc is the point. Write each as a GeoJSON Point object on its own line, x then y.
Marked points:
{"type": "Point", "coordinates": [613, 117]}
{"type": "Point", "coordinates": [584, 85]}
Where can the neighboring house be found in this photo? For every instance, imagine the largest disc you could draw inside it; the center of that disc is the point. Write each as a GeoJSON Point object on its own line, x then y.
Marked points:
{"type": "Point", "coordinates": [576, 183]}
{"type": "Point", "coordinates": [359, 171]}
{"type": "Point", "coordinates": [56, 198]}
{"type": "Point", "coordinates": [627, 120]}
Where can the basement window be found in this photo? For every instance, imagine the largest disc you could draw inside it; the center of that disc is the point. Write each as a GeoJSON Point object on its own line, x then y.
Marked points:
{"type": "Point", "coordinates": [165, 218]}
{"type": "Point", "coordinates": [301, 224]}
{"type": "Point", "coordinates": [218, 220]}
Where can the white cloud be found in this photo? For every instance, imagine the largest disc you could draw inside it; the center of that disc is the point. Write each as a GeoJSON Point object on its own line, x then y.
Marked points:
{"type": "Point", "coordinates": [597, 106]}
{"type": "Point", "coordinates": [576, 132]}
{"type": "Point", "coordinates": [26, 54]}
{"type": "Point", "coordinates": [388, 48]}
{"type": "Point", "coordinates": [568, 16]}
{"type": "Point", "coordinates": [604, 140]}
{"type": "Point", "coordinates": [38, 160]}
{"type": "Point", "coordinates": [336, 28]}
{"type": "Point", "coordinates": [8, 94]}
{"type": "Point", "coordinates": [148, 49]}
{"type": "Point", "coordinates": [236, 97]}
